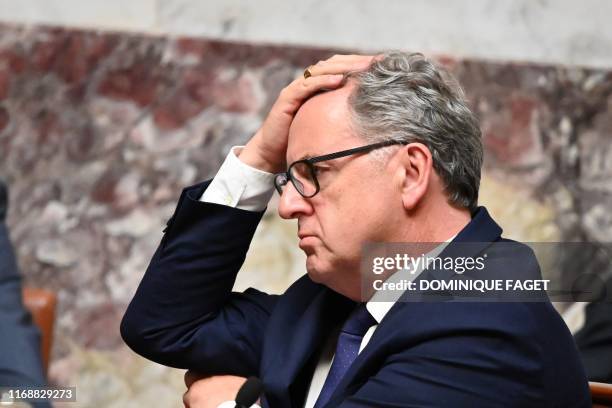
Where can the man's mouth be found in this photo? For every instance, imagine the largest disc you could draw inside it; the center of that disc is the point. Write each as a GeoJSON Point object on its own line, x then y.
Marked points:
{"type": "Point", "coordinates": [302, 235]}
{"type": "Point", "coordinates": [307, 242]}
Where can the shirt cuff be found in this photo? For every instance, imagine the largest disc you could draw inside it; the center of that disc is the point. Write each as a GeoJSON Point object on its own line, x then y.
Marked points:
{"type": "Point", "coordinates": [240, 185]}
{"type": "Point", "coordinates": [232, 404]}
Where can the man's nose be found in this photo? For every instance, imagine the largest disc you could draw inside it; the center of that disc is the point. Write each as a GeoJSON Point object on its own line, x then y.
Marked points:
{"type": "Point", "coordinates": [292, 204]}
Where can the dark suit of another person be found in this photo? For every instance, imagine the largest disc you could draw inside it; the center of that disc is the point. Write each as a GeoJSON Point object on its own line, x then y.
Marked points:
{"type": "Point", "coordinates": [20, 362]}
{"type": "Point", "coordinates": [594, 340]}
{"type": "Point", "coordinates": [185, 315]}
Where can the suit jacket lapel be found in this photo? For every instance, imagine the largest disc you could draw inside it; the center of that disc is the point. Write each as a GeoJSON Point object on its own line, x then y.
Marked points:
{"type": "Point", "coordinates": [305, 336]}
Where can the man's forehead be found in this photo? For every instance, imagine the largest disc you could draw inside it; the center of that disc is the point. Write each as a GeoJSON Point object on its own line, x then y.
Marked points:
{"type": "Point", "coordinates": [321, 124]}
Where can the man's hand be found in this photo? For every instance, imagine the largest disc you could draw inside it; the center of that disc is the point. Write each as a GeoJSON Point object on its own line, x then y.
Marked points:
{"type": "Point", "coordinates": [266, 150]}
{"type": "Point", "coordinates": [209, 392]}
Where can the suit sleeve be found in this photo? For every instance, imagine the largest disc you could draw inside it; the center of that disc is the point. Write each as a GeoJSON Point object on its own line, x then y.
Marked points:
{"type": "Point", "coordinates": [184, 313]}
{"type": "Point", "coordinates": [20, 363]}
{"type": "Point", "coordinates": [594, 340]}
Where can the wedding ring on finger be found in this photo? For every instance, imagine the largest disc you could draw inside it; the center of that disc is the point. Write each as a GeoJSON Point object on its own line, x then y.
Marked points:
{"type": "Point", "coordinates": [307, 73]}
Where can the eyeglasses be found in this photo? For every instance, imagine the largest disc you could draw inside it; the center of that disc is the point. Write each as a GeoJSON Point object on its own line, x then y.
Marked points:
{"type": "Point", "coordinates": [303, 173]}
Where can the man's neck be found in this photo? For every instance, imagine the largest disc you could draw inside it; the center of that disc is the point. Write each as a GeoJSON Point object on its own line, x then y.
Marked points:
{"type": "Point", "coordinates": [439, 225]}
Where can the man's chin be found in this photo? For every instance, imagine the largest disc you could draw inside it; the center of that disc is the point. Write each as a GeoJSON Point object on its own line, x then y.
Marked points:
{"type": "Point", "coordinates": [314, 270]}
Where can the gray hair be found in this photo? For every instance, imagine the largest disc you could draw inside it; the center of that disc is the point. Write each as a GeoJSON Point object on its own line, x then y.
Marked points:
{"type": "Point", "coordinates": [406, 97]}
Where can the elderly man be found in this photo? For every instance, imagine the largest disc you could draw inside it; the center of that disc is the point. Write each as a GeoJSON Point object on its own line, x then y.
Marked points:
{"type": "Point", "coordinates": [361, 150]}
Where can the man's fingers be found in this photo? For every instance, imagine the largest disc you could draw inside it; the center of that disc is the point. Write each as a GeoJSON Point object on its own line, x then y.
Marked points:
{"type": "Point", "coordinates": [348, 58]}
{"type": "Point", "coordinates": [328, 74]}
{"type": "Point", "coordinates": [340, 67]}
{"type": "Point", "coordinates": [301, 88]}
{"type": "Point", "coordinates": [341, 64]}
{"type": "Point", "coordinates": [315, 83]}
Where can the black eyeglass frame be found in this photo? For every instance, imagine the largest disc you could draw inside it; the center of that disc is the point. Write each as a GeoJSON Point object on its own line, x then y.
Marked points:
{"type": "Point", "coordinates": [286, 176]}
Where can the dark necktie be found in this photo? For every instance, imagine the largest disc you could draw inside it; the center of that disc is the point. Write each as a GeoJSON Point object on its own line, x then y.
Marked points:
{"type": "Point", "coordinates": [347, 348]}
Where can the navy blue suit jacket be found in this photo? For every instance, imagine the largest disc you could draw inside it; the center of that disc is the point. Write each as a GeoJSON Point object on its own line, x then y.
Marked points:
{"type": "Point", "coordinates": [185, 315]}
{"type": "Point", "coordinates": [20, 363]}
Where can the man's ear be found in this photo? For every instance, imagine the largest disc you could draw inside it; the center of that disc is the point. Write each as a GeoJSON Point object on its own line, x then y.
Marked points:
{"type": "Point", "coordinates": [414, 173]}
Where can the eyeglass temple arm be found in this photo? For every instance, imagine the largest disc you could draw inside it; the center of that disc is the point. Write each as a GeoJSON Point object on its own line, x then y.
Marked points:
{"type": "Point", "coordinates": [348, 152]}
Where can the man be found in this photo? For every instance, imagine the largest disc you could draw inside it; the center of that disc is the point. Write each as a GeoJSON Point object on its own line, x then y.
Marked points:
{"type": "Point", "coordinates": [20, 363]}
{"type": "Point", "coordinates": [325, 342]}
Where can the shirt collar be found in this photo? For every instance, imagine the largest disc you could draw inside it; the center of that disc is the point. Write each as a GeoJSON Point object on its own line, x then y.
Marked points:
{"type": "Point", "coordinates": [379, 308]}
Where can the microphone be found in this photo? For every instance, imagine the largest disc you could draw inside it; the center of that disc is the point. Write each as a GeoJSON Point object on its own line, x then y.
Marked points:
{"type": "Point", "coordinates": [249, 392]}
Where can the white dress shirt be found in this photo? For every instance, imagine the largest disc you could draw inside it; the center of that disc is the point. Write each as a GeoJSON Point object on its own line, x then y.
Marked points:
{"type": "Point", "coordinates": [241, 186]}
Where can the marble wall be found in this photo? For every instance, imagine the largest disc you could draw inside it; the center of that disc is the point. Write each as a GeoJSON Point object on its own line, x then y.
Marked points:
{"type": "Point", "coordinates": [99, 132]}
{"type": "Point", "coordinates": [554, 32]}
